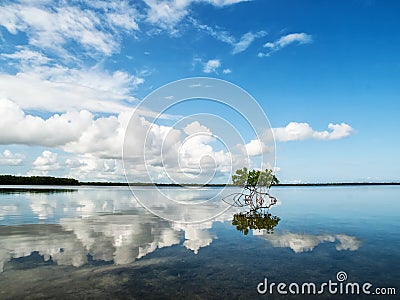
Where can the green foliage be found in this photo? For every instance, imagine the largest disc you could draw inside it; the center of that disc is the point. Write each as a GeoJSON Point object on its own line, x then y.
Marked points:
{"type": "Point", "coordinates": [254, 178]}
{"type": "Point", "coordinates": [240, 177]}
{"type": "Point", "coordinates": [36, 180]}
{"type": "Point", "coordinates": [255, 220]}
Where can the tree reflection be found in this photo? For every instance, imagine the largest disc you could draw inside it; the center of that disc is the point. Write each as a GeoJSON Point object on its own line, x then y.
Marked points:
{"type": "Point", "coordinates": [255, 220]}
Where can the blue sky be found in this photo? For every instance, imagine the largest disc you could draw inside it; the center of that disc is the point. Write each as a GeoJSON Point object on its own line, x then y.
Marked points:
{"type": "Point", "coordinates": [71, 72]}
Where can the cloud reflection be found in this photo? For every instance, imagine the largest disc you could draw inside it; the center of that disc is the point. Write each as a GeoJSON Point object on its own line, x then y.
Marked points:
{"type": "Point", "coordinates": [110, 226]}
{"type": "Point", "coordinates": [306, 242]}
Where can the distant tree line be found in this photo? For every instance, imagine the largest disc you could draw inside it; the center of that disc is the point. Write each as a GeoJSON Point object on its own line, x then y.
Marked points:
{"type": "Point", "coordinates": [36, 180]}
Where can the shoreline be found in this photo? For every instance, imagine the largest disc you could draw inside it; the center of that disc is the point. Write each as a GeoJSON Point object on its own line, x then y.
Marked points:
{"type": "Point", "coordinates": [12, 180]}
{"type": "Point", "coordinates": [231, 185]}
{"type": "Point", "coordinates": [2, 186]}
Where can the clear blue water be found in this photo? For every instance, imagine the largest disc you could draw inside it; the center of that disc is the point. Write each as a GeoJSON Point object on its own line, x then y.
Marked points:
{"type": "Point", "coordinates": [99, 243]}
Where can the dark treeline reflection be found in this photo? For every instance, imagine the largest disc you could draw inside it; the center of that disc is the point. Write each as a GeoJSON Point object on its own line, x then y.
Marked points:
{"type": "Point", "coordinates": [259, 220]}
{"type": "Point", "coordinates": [34, 191]}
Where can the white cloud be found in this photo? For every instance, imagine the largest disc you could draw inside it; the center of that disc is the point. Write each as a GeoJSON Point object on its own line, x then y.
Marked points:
{"type": "Point", "coordinates": [218, 34]}
{"type": "Point", "coordinates": [47, 161]}
{"type": "Point", "coordinates": [96, 143]}
{"type": "Point", "coordinates": [286, 40]}
{"type": "Point", "coordinates": [18, 128]}
{"type": "Point", "coordinates": [339, 131]}
{"type": "Point", "coordinates": [7, 158]}
{"type": "Point", "coordinates": [52, 70]}
{"type": "Point", "coordinates": [238, 45]}
{"type": "Point", "coordinates": [246, 40]}
{"type": "Point", "coordinates": [103, 137]}
{"type": "Point", "coordinates": [89, 167]}
{"type": "Point", "coordinates": [301, 131]}
{"type": "Point", "coordinates": [186, 155]}
{"type": "Point", "coordinates": [26, 55]}
{"type": "Point", "coordinates": [211, 66]}
{"type": "Point", "coordinates": [51, 27]}
{"type": "Point", "coordinates": [225, 2]}
{"type": "Point", "coordinates": [167, 13]}
{"type": "Point", "coordinates": [196, 127]}
{"type": "Point", "coordinates": [197, 158]}
{"type": "Point", "coordinates": [300, 38]}
{"type": "Point", "coordinates": [227, 71]}
{"type": "Point", "coordinates": [59, 89]}
{"type": "Point", "coordinates": [253, 148]}
{"type": "Point", "coordinates": [82, 132]}
{"type": "Point", "coordinates": [119, 14]}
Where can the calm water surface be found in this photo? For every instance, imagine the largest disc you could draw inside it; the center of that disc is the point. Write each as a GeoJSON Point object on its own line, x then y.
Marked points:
{"type": "Point", "coordinates": [99, 243]}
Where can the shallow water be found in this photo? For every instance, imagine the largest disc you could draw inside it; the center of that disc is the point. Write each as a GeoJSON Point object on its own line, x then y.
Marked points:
{"type": "Point", "coordinates": [98, 242]}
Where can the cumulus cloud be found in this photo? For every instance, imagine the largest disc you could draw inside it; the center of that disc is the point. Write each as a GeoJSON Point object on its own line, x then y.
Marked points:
{"type": "Point", "coordinates": [96, 143]}
{"type": "Point", "coordinates": [300, 38]}
{"type": "Point", "coordinates": [18, 128]}
{"type": "Point", "coordinates": [212, 66]}
{"type": "Point", "coordinates": [89, 167]}
{"type": "Point", "coordinates": [82, 132]}
{"type": "Point", "coordinates": [254, 147]}
{"type": "Point", "coordinates": [7, 158]}
{"type": "Point", "coordinates": [196, 127]}
{"type": "Point", "coordinates": [301, 131]}
{"type": "Point", "coordinates": [47, 161]}
{"type": "Point", "coordinates": [103, 138]}
{"type": "Point", "coordinates": [181, 155]}
{"type": "Point", "coordinates": [197, 156]}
